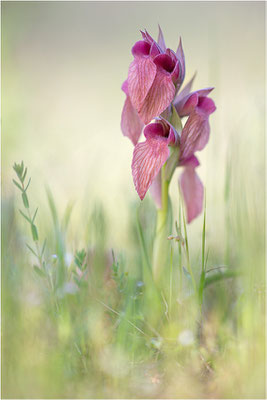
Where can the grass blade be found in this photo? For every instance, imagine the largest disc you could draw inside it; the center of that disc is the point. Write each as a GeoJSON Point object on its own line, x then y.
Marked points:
{"type": "Point", "coordinates": [33, 252]}
{"type": "Point", "coordinates": [25, 216]}
{"type": "Point", "coordinates": [18, 185]}
{"type": "Point", "coordinates": [33, 218]}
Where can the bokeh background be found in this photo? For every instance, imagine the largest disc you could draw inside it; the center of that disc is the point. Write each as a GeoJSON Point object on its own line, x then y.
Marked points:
{"type": "Point", "coordinates": [63, 64]}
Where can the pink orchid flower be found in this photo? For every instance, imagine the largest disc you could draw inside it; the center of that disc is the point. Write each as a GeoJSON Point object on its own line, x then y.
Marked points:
{"type": "Point", "coordinates": [194, 137]}
{"type": "Point", "coordinates": [164, 143]}
{"type": "Point", "coordinates": [154, 77]}
{"type": "Point", "coordinates": [149, 156]}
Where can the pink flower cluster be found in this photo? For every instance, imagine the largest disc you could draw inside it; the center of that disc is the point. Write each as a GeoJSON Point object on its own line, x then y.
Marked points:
{"type": "Point", "coordinates": [152, 93]}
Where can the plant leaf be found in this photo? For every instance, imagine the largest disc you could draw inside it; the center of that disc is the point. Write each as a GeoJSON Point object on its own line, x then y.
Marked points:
{"type": "Point", "coordinates": [33, 218]}
{"type": "Point", "coordinates": [18, 185]}
{"type": "Point", "coordinates": [25, 200]}
{"type": "Point", "coordinates": [176, 120]}
{"type": "Point", "coordinates": [33, 252]}
{"type": "Point", "coordinates": [25, 216]}
{"type": "Point", "coordinates": [39, 271]}
{"type": "Point", "coordinates": [34, 232]}
{"type": "Point", "coordinates": [43, 248]}
{"type": "Point", "coordinates": [24, 175]}
{"type": "Point", "coordinates": [28, 185]}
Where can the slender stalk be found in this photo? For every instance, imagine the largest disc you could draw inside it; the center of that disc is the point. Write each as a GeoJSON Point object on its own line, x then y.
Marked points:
{"type": "Point", "coordinates": [171, 277]}
{"type": "Point", "coordinates": [188, 258]}
{"type": "Point", "coordinates": [179, 233]}
{"type": "Point", "coordinates": [203, 264]}
{"type": "Point", "coordinates": [161, 244]}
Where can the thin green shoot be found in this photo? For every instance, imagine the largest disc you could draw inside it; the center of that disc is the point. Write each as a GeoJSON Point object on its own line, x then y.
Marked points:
{"type": "Point", "coordinates": [187, 251]}
{"type": "Point", "coordinates": [171, 284]}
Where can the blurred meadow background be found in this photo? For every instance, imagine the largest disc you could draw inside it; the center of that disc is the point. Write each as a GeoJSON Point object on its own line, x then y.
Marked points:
{"type": "Point", "coordinates": [63, 64]}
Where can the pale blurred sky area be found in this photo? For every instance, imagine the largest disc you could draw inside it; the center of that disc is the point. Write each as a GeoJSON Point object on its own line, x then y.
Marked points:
{"type": "Point", "coordinates": [63, 64]}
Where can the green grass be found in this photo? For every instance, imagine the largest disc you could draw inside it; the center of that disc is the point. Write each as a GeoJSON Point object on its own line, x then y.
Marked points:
{"type": "Point", "coordinates": [89, 322]}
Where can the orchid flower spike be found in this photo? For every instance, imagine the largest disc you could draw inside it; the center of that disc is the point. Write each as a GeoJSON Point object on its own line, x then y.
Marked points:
{"type": "Point", "coordinates": [152, 92]}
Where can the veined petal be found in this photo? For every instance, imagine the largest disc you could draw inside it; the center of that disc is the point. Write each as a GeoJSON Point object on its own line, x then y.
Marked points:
{"type": "Point", "coordinates": [195, 134]}
{"type": "Point", "coordinates": [192, 190]}
{"type": "Point", "coordinates": [158, 98]}
{"type": "Point", "coordinates": [155, 190]}
{"type": "Point", "coordinates": [142, 72]}
{"type": "Point", "coordinates": [131, 125]}
{"type": "Point", "coordinates": [148, 158]}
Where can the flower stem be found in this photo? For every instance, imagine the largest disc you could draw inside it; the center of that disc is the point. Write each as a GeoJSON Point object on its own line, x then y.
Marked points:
{"type": "Point", "coordinates": [161, 244]}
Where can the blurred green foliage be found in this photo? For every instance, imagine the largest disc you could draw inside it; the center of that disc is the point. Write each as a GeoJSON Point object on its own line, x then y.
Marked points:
{"type": "Point", "coordinates": [90, 323]}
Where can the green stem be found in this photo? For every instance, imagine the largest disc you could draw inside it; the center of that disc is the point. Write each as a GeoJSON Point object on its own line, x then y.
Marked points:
{"type": "Point", "coordinates": [161, 243]}
{"type": "Point", "coordinates": [187, 256]}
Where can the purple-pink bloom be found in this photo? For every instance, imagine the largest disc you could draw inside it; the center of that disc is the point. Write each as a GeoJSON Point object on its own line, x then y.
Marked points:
{"type": "Point", "coordinates": [154, 76]}
{"type": "Point", "coordinates": [149, 156]}
{"type": "Point", "coordinates": [152, 88]}
{"type": "Point", "coordinates": [194, 137]}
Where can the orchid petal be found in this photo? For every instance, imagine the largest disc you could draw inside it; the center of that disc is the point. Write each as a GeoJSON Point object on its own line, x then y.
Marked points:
{"type": "Point", "coordinates": [154, 129]}
{"type": "Point", "coordinates": [176, 72]}
{"type": "Point", "coordinates": [206, 105]}
{"type": "Point", "coordinates": [148, 158]}
{"type": "Point", "coordinates": [181, 58]}
{"type": "Point", "coordinates": [131, 125]}
{"type": "Point", "coordinates": [186, 90]}
{"type": "Point", "coordinates": [187, 105]}
{"type": "Point", "coordinates": [161, 41]}
{"type": "Point", "coordinates": [141, 48]}
{"type": "Point", "coordinates": [170, 132]}
{"type": "Point", "coordinates": [204, 92]}
{"type": "Point", "coordinates": [154, 50]}
{"type": "Point", "coordinates": [193, 193]}
{"type": "Point", "coordinates": [124, 88]}
{"type": "Point", "coordinates": [158, 98]}
{"type": "Point", "coordinates": [195, 134]}
{"type": "Point", "coordinates": [142, 72]}
{"type": "Point", "coordinates": [191, 161]}
{"type": "Point", "coordinates": [147, 37]}
{"type": "Point", "coordinates": [165, 62]}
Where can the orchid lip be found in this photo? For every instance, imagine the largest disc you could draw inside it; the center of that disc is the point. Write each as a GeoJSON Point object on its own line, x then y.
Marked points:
{"type": "Point", "coordinates": [165, 62]}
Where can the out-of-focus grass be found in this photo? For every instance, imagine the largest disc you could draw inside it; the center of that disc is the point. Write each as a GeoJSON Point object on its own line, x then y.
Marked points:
{"type": "Point", "coordinates": [106, 331]}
